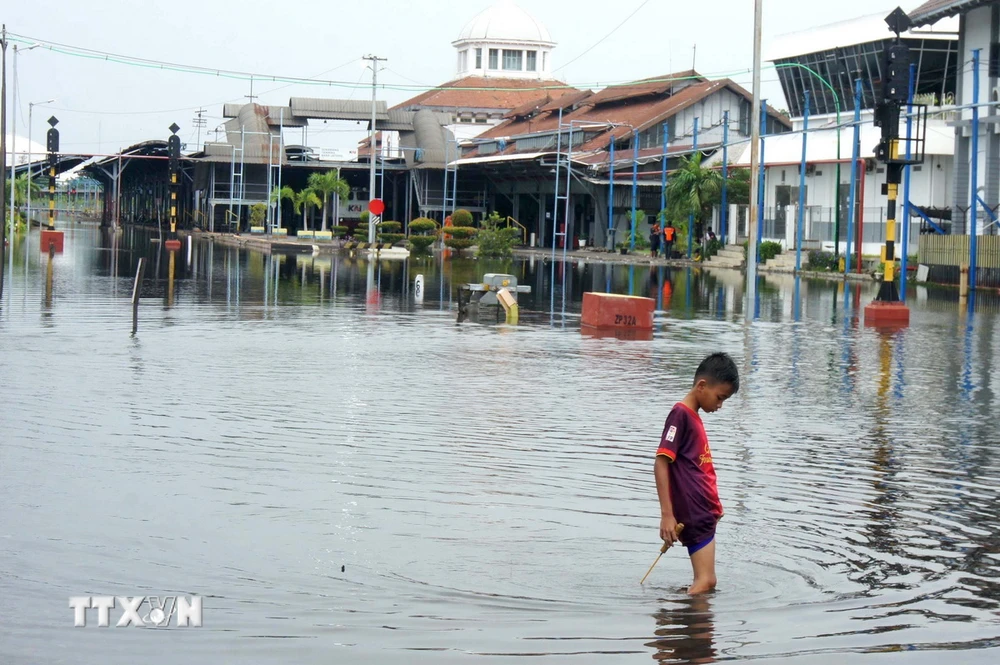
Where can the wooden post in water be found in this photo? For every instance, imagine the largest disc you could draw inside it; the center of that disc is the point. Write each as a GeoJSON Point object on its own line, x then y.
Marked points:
{"type": "Point", "coordinates": [136, 292]}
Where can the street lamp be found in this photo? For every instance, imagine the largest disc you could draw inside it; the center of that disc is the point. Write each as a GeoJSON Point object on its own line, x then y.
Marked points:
{"type": "Point", "coordinates": [13, 136]}
{"type": "Point", "coordinates": [31, 106]}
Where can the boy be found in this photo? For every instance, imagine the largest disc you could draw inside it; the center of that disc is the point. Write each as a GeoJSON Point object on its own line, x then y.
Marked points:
{"type": "Point", "coordinates": [685, 476]}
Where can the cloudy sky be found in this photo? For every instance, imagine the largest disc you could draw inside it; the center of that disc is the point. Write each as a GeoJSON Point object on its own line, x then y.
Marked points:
{"type": "Point", "coordinates": [104, 106]}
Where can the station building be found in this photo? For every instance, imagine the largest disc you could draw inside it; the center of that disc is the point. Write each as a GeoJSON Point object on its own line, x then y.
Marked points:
{"type": "Point", "coordinates": [827, 62]}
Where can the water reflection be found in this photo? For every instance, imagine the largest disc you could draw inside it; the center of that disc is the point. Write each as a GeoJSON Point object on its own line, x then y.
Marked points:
{"type": "Point", "coordinates": [685, 631]}
{"type": "Point", "coordinates": [859, 469]}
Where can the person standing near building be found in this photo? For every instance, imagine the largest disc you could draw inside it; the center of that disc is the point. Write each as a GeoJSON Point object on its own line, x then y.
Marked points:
{"type": "Point", "coordinates": [669, 233]}
{"type": "Point", "coordinates": [654, 239]}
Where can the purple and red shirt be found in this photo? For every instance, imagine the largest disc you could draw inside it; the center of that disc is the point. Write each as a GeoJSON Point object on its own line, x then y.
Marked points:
{"type": "Point", "coordinates": [694, 490]}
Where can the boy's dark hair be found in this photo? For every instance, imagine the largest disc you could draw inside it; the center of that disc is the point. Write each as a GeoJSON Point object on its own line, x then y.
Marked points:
{"type": "Point", "coordinates": [719, 368]}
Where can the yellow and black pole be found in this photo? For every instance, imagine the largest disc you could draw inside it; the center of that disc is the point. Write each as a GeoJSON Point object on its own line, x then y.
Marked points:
{"type": "Point", "coordinates": [887, 309]}
{"type": "Point", "coordinates": [52, 240]}
{"type": "Point", "coordinates": [174, 154]}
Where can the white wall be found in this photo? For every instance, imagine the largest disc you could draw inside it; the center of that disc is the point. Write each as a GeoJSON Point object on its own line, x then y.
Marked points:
{"type": "Point", "coordinates": [709, 113]}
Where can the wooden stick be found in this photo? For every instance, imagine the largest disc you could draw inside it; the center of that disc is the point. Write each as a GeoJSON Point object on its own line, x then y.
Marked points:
{"type": "Point", "coordinates": [677, 530]}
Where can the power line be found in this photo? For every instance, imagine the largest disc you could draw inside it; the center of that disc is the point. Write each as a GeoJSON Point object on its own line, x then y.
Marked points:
{"type": "Point", "coordinates": [598, 42]}
{"type": "Point", "coordinates": [133, 61]}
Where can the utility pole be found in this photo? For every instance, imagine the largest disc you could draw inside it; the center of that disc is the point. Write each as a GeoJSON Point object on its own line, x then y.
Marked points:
{"type": "Point", "coordinates": [755, 173]}
{"type": "Point", "coordinates": [199, 122]}
{"type": "Point", "coordinates": [3, 146]}
{"type": "Point", "coordinates": [251, 96]}
{"type": "Point", "coordinates": [374, 60]}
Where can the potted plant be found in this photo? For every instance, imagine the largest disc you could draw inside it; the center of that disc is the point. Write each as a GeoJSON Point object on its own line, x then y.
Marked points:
{"type": "Point", "coordinates": [622, 247]}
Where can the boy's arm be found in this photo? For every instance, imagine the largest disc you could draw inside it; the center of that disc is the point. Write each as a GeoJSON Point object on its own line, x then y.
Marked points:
{"type": "Point", "coordinates": [668, 524]}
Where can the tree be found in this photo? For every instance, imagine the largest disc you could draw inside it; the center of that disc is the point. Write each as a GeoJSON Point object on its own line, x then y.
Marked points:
{"type": "Point", "coordinates": [326, 184]}
{"type": "Point", "coordinates": [738, 188]}
{"type": "Point", "coordinates": [693, 190]}
{"type": "Point", "coordinates": [21, 190]}
{"type": "Point", "coordinates": [301, 200]}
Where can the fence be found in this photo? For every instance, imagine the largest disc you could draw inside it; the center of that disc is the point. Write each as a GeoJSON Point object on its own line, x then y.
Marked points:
{"type": "Point", "coordinates": [945, 254]}
{"type": "Point", "coordinates": [820, 223]}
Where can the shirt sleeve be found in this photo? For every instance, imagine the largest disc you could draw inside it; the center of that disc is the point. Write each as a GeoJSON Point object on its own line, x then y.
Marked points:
{"type": "Point", "coordinates": [674, 431]}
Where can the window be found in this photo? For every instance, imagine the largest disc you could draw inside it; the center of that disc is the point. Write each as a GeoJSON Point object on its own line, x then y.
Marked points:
{"type": "Point", "coordinates": [479, 58]}
{"type": "Point", "coordinates": [532, 61]}
{"type": "Point", "coordinates": [463, 60]}
{"type": "Point", "coordinates": [494, 58]}
{"type": "Point", "coordinates": [512, 60]}
{"type": "Point", "coordinates": [744, 117]}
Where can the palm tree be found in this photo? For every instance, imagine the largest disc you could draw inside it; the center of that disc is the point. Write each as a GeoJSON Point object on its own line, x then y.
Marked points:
{"type": "Point", "coordinates": [21, 190]}
{"type": "Point", "coordinates": [693, 189]}
{"type": "Point", "coordinates": [329, 183]}
{"type": "Point", "coordinates": [301, 201]}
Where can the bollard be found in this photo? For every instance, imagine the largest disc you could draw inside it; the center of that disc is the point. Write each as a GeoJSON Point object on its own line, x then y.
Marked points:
{"type": "Point", "coordinates": [136, 291]}
{"type": "Point", "coordinates": [963, 281]}
{"type": "Point", "coordinates": [418, 289]}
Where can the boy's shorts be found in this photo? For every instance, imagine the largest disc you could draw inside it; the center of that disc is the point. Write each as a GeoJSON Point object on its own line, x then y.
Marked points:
{"type": "Point", "coordinates": [697, 536]}
{"type": "Point", "coordinates": [700, 545]}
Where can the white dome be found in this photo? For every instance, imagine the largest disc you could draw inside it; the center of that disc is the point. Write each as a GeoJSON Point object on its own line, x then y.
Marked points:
{"type": "Point", "coordinates": [505, 22]}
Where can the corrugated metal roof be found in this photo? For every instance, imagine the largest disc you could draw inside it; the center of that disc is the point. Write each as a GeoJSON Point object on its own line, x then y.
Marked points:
{"type": "Point", "coordinates": [862, 30]}
{"type": "Point", "coordinates": [336, 109]}
{"type": "Point", "coordinates": [935, 10]}
{"type": "Point", "coordinates": [252, 154]}
{"type": "Point", "coordinates": [276, 115]}
{"type": "Point", "coordinates": [395, 120]}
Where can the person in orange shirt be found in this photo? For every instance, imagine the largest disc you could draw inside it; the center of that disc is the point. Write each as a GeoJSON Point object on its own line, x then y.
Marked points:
{"type": "Point", "coordinates": [669, 233]}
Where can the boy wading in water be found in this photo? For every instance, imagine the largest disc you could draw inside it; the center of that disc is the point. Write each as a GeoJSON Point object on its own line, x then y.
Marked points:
{"type": "Point", "coordinates": [685, 476]}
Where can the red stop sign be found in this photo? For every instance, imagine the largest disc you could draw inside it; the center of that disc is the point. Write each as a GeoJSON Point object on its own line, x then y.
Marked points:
{"type": "Point", "coordinates": [376, 206]}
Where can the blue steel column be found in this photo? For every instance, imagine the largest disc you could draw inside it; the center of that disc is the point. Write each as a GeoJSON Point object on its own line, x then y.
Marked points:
{"type": "Point", "coordinates": [635, 183]}
{"type": "Point", "coordinates": [906, 186]}
{"type": "Point", "coordinates": [663, 174]}
{"type": "Point", "coordinates": [855, 150]}
{"type": "Point", "coordinates": [611, 194]}
{"type": "Point", "coordinates": [974, 179]}
{"type": "Point", "coordinates": [724, 213]}
{"type": "Point", "coordinates": [694, 151]}
{"type": "Point", "coordinates": [762, 178]}
{"type": "Point", "coordinates": [555, 194]}
{"type": "Point", "coordinates": [800, 217]}
{"type": "Point", "coordinates": [569, 188]}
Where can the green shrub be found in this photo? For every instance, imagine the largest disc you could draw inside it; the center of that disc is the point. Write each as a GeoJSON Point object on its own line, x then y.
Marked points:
{"type": "Point", "coordinates": [460, 232]}
{"type": "Point", "coordinates": [390, 238]}
{"type": "Point", "coordinates": [422, 225]}
{"type": "Point", "coordinates": [712, 248]}
{"type": "Point", "coordinates": [258, 214]}
{"type": "Point", "coordinates": [461, 217]}
{"type": "Point", "coordinates": [822, 261]}
{"type": "Point", "coordinates": [339, 231]}
{"type": "Point", "coordinates": [769, 249]}
{"type": "Point", "coordinates": [365, 216]}
{"type": "Point", "coordinates": [459, 243]}
{"type": "Point", "coordinates": [497, 241]}
{"type": "Point", "coordinates": [421, 243]}
{"type": "Point", "coordinates": [390, 227]}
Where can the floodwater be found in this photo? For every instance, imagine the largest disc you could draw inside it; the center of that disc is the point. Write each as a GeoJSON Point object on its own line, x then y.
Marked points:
{"type": "Point", "coordinates": [349, 476]}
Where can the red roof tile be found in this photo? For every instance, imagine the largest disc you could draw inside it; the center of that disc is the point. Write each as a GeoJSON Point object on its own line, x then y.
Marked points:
{"type": "Point", "coordinates": [485, 93]}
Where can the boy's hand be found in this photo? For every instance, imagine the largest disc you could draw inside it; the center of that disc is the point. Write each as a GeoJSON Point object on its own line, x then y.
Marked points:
{"type": "Point", "coordinates": [668, 529]}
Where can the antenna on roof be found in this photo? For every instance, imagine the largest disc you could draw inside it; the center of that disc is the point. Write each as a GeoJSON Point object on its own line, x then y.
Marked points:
{"type": "Point", "coordinates": [694, 59]}
{"type": "Point", "coordinates": [251, 96]}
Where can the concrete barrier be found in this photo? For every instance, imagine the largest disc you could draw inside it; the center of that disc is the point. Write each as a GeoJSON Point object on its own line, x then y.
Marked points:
{"type": "Point", "coordinates": [610, 310]}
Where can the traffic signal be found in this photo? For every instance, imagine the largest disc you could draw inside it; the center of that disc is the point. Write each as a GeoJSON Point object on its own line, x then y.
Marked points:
{"type": "Point", "coordinates": [896, 74]}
